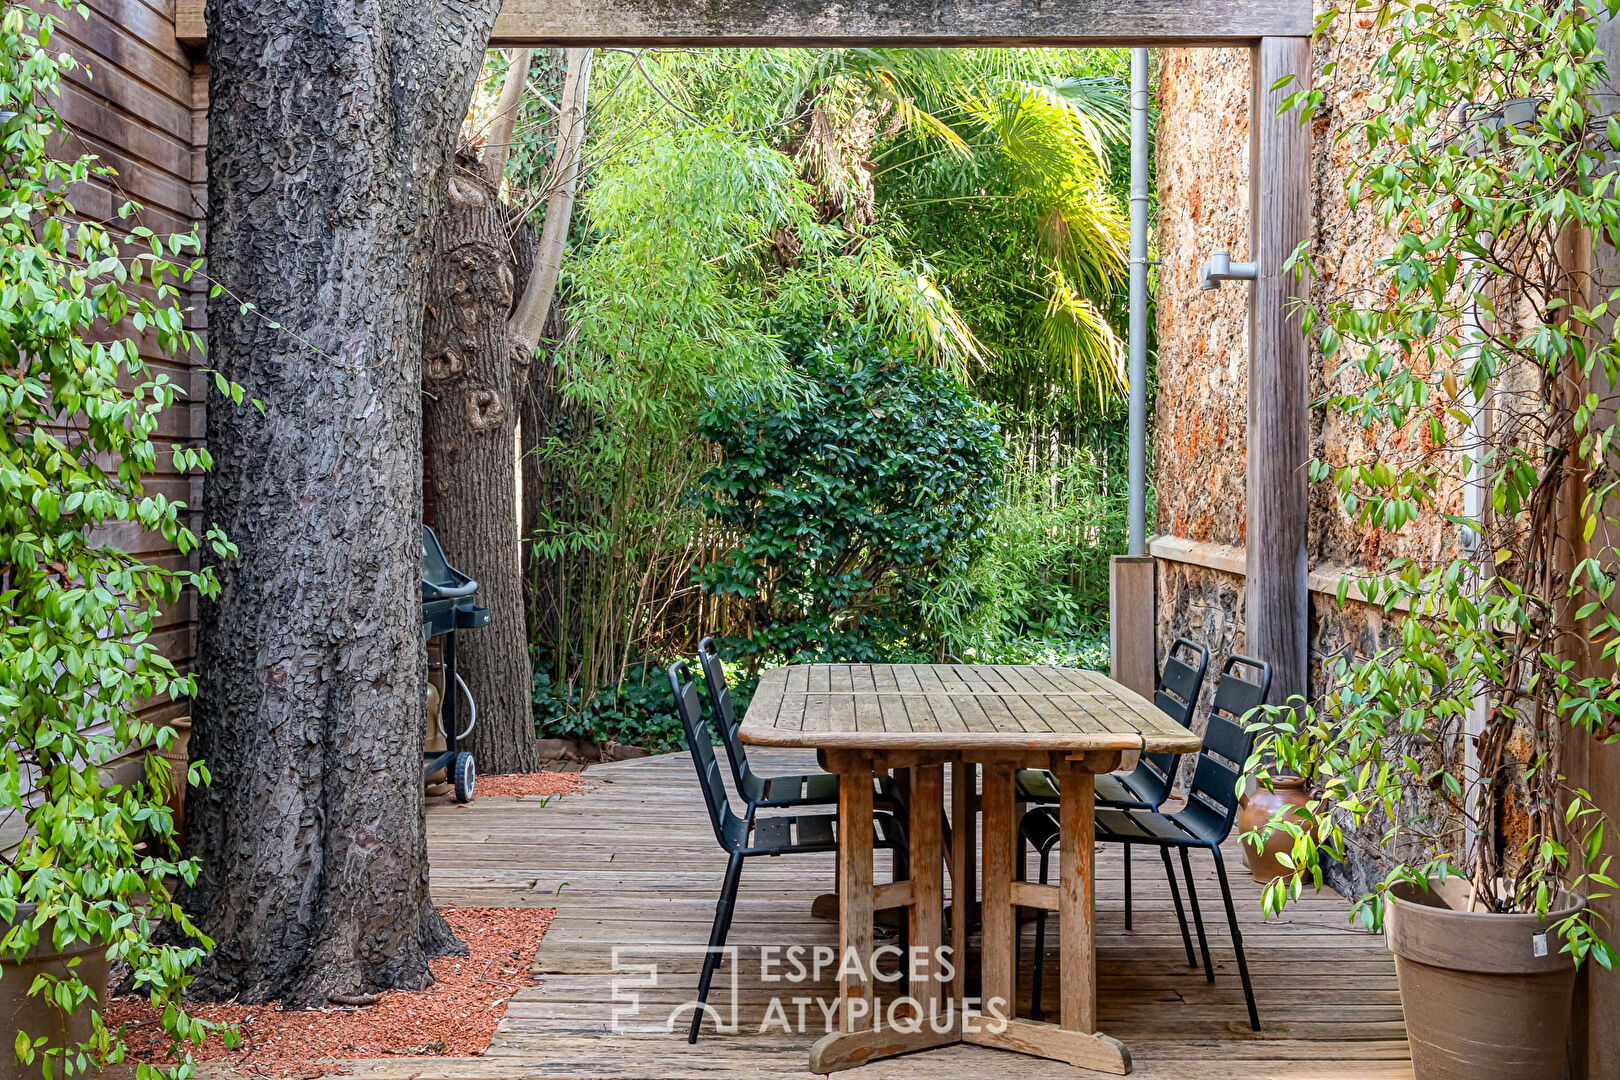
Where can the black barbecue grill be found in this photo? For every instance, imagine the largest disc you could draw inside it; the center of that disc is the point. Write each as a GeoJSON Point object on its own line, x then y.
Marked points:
{"type": "Point", "coordinates": [449, 603]}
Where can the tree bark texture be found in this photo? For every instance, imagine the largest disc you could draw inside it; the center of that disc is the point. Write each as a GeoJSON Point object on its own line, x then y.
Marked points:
{"type": "Point", "coordinates": [546, 414]}
{"type": "Point", "coordinates": [331, 132]}
{"type": "Point", "coordinates": [468, 374]}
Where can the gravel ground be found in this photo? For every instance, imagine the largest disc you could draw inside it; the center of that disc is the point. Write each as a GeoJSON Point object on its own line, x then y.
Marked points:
{"type": "Point", "coordinates": [540, 783]}
{"type": "Point", "coordinates": [456, 1017]}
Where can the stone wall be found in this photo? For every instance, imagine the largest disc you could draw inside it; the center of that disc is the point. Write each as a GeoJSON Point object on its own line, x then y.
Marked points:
{"type": "Point", "coordinates": [1199, 421]}
{"type": "Point", "coordinates": [1200, 412]}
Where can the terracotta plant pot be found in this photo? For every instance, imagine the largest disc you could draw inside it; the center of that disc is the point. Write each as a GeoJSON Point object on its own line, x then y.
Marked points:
{"type": "Point", "coordinates": [1480, 1003]}
{"type": "Point", "coordinates": [1256, 808]}
{"type": "Point", "coordinates": [20, 1012]}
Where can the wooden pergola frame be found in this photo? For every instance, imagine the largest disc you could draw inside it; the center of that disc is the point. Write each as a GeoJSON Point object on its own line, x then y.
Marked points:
{"type": "Point", "coordinates": [1277, 36]}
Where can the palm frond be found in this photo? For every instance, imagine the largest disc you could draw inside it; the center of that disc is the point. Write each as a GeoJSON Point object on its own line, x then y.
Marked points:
{"type": "Point", "coordinates": [1076, 334]}
{"type": "Point", "coordinates": [906, 302]}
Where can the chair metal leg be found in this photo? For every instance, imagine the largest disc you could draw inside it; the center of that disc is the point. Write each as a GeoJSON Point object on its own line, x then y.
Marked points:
{"type": "Point", "coordinates": [1198, 917]}
{"type": "Point", "coordinates": [1237, 939]}
{"type": "Point", "coordinates": [1127, 886]}
{"type": "Point", "coordinates": [717, 940]}
{"type": "Point", "coordinates": [1181, 915]}
{"type": "Point", "coordinates": [1035, 1010]}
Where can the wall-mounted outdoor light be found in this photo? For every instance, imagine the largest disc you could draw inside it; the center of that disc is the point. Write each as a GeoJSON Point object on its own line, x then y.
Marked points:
{"type": "Point", "coordinates": [1220, 267]}
{"type": "Point", "coordinates": [1482, 124]}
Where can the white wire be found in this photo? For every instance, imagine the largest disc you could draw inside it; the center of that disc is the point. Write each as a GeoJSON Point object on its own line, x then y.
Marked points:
{"type": "Point", "coordinates": [472, 709]}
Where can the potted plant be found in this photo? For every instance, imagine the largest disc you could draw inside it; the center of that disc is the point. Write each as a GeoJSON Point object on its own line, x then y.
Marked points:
{"type": "Point", "coordinates": [88, 884]}
{"type": "Point", "coordinates": [1437, 763]}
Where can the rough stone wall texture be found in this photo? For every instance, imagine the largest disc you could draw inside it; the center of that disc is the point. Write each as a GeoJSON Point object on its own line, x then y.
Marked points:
{"type": "Point", "coordinates": [1204, 606]}
{"type": "Point", "coordinates": [1200, 413]}
{"type": "Point", "coordinates": [1347, 242]}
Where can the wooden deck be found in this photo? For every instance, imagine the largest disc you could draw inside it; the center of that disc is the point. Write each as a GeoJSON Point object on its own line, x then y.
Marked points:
{"type": "Point", "coordinates": [634, 863]}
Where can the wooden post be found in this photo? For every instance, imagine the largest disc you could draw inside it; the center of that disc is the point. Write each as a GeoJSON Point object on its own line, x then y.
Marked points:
{"type": "Point", "coordinates": [1595, 1038]}
{"type": "Point", "coordinates": [1278, 440]}
{"type": "Point", "coordinates": [1132, 623]}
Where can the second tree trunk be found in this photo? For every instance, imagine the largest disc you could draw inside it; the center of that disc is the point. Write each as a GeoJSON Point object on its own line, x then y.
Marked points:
{"type": "Point", "coordinates": [471, 416]}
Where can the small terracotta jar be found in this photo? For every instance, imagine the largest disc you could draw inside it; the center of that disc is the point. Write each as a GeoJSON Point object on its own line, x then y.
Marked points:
{"type": "Point", "coordinates": [1256, 808]}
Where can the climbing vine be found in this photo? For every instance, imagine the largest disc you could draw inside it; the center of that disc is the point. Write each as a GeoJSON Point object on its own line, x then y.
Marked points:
{"type": "Point", "coordinates": [1478, 354]}
{"type": "Point", "coordinates": [80, 411]}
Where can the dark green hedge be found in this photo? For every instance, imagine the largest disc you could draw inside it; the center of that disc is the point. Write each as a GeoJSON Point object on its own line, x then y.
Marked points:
{"type": "Point", "coordinates": [849, 502]}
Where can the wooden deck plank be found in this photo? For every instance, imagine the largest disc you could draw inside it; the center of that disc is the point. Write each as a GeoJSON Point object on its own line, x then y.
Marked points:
{"type": "Point", "coordinates": [613, 883]}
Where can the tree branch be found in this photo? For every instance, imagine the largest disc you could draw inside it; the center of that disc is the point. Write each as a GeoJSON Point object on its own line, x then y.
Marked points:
{"type": "Point", "coordinates": [499, 143]}
{"type": "Point", "coordinates": [529, 317]}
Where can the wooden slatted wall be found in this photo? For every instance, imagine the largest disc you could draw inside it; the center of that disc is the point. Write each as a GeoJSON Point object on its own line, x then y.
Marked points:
{"type": "Point", "coordinates": [139, 103]}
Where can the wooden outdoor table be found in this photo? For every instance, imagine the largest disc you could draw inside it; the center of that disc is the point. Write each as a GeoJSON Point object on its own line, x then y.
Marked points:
{"type": "Point", "coordinates": [866, 719]}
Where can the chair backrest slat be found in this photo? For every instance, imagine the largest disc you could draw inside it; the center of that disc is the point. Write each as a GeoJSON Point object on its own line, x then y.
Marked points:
{"type": "Point", "coordinates": [1213, 796]}
{"type": "Point", "coordinates": [714, 676]}
{"type": "Point", "coordinates": [1177, 697]}
{"type": "Point", "coordinates": [1181, 679]}
{"type": "Point", "coordinates": [721, 815]}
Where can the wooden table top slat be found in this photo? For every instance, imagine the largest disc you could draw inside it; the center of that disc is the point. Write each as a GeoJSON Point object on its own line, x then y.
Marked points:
{"type": "Point", "coordinates": [919, 713]}
{"type": "Point", "coordinates": [955, 707]}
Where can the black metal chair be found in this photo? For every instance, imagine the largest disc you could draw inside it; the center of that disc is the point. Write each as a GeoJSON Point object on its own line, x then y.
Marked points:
{"type": "Point", "coordinates": [1148, 785]}
{"type": "Point", "coordinates": [1205, 821]}
{"type": "Point", "coordinates": [746, 837]}
{"type": "Point", "coordinates": [803, 789]}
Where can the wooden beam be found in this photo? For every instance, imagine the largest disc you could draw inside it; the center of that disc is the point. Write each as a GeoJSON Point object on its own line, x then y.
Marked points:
{"type": "Point", "coordinates": [1279, 435]}
{"type": "Point", "coordinates": [1101, 23]}
{"type": "Point", "coordinates": [1132, 622]}
{"type": "Point", "coordinates": [1595, 1039]}
{"type": "Point", "coordinates": [190, 27]}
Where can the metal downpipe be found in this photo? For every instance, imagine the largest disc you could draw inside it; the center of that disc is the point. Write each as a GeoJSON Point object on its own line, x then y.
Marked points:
{"type": "Point", "coordinates": [1137, 371]}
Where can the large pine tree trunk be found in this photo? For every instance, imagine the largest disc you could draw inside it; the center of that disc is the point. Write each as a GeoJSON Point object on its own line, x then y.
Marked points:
{"type": "Point", "coordinates": [331, 131]}
{"type": "Point", "coordinates": [469, 372]}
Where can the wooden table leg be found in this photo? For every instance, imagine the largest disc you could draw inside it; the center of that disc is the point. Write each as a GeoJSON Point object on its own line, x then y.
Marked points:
{"type": "Point", "coordinates": [856, 999]}
{"type": "Point", "coordinates": [870, 1037]}
{"type": "Point", "coordinates": [964, 860]}
{"type": "Point", "coordinates": [1075, 1039]}
{"type": "Point", "coordinates": [927, 886]}
{"type": "Point", "coordinates": [1077, 943]}
{"type": "Point", "coordinates": [997, 915]}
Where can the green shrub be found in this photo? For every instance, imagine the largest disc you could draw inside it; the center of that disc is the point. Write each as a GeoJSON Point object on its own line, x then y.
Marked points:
{"type": "Point", "coordinates": [1043, 576]}
{"type": "Point", "coordinates": [848, 505]}
{"type": "Point", "coordinates": [640, 712]}
{"type": "Point", "coordinates": [1084, 650]}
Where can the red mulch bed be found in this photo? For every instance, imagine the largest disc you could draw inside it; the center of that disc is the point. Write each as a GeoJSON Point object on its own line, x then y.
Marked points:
{"type": "Point", "coordinates": [537, 783]}
{"type": "Point", "coordinates": [455, 1017]}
